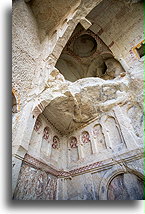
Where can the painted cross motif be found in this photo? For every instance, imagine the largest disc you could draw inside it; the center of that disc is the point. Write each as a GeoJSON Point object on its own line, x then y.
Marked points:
{"type": "Point", "coordinates": [38, 124]}
{"type": "Point", "coordinates": [85, 137]}
{"type": "Point", "coordinates": [55, 144]}
{"type": "Point", "coordinates": [46, 133]}
{"type": "Point", "coordinates": [73, 142]}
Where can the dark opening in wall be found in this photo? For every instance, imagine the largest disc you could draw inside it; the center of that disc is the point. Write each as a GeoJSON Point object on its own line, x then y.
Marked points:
{"type": "Point", "coordinates": [141, 50]}
{"type": "Point", "coordinates": [14, 104]}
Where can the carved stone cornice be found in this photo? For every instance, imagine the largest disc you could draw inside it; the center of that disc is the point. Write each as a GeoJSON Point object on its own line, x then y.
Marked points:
{"type": "Point", "coordinates": [94, 167]}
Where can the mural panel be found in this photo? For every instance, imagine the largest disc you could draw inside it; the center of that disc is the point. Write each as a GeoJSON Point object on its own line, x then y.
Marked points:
{"type": "Point", "coordinates": [85, 137]}
{"type": "Point", "coordinates": [55, 148]}
{"type": "Point", "coordinates": [126, 187]}
{"type": "Point", "coordinates": [74, 156]}
{"type": "Point", "coordinates": [45, 140]}
{"type": "Point", "coordinates": [34, 184]}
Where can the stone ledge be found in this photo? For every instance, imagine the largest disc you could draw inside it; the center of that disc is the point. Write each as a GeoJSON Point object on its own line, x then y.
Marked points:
{"type": "Point", "coordinates": [97, 166]}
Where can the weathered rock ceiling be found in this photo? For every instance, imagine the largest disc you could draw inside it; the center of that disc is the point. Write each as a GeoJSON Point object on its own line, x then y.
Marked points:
{"type": "Point", "coordinates": [83, 100]}
{"type": "Point", "coordinates": [49, 14]}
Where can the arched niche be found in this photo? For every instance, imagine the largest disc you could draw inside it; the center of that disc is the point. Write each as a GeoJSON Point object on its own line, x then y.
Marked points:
{"type": "Point", "coordinates": [126, 186]}
{"type": "Point", "coordinates": [45, 140]}
{"type": "Point", "coordinates": [135, 114]}
{"type": "Point", "coordinates": [87, 146]}
{"type": "Point", "coordinates": [38, 125]}
{"type": "Point", "coordinates": [99, 137]}
{"type": "Point", "coordinates": [55, 150]}
{"type": "Point", "coordinates": [113, 131]}
{"type": "Point", "coordinates": [73, 149]}
{"type": "Point", "coordinates": [114, 173]}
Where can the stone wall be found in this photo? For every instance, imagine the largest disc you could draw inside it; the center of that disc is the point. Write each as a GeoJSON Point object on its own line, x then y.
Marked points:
{"type": "Point", "coordinates": [115, 183]}
{"type": "Point", "coordinates": [79, 140]}
{"type": "Point", "coordinates": [26, 49]}
{"type": "Point", "coordinates": [46, 143]}
{"type": "Point", "coordinates": [120, 179]}
{"type": "Point", "coordinates": [121, 24]}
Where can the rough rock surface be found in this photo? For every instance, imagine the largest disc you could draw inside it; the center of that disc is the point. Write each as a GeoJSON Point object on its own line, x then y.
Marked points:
{"type": "Point", "coordinates": [77, 109]}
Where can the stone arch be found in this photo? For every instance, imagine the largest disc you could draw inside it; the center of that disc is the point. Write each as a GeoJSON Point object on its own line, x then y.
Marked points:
{"type": "Point", "coordinates": [111, 174]}
{"type": "Point", "coordinates": [51, 105]}
{"type": "Point", "coordinates": [86, 141]}
{"type": "Point", "coordinates": [73, 154]}
{"type": "Point", "coordinates": [125, 186]}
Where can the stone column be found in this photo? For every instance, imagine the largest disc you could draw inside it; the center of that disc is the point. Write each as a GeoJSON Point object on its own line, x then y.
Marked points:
{"type": "Point", "coordinates": [16, 166]}
{"type": "Point", "coordinates": [93, 143]}
{"type": "Point", "coordinates": [25, 128]}
{"type": "Point", "coordinates": [106, 134]}
{"type": "Point", "coordinates": [21, 141]}
{"type": "Point", "coordinates": [124, 64]}
{"type": "Point", "coordinates": [64, 153]}
{"type": "Point", "coordinates": [62, 189]}
{"type": "Point", "coordinates": [49, 148]}
{"type": "Point", "coordinates": [80, 149]}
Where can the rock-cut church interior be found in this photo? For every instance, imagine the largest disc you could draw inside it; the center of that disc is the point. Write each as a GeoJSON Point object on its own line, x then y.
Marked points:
{"type": "Point", "coordinates": [77, 100]}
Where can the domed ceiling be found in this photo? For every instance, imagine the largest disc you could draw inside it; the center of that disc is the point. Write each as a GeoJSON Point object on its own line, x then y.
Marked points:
{"type": "Point", "coordinates": [86, 55]}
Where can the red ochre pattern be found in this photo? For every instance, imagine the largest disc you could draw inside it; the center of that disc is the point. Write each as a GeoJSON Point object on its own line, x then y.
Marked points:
{"type": "Point", "coordinates": [42, 166]}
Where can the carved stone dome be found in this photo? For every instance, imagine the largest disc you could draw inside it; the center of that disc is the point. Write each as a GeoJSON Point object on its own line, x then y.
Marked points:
{"type": "Point", "coordinates": [85, 45]}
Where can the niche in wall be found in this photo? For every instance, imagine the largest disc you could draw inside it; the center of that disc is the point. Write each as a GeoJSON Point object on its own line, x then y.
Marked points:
{"type": "Point", "coordinates": [126, 186]}
{"type": "Point", "coordinates": [139, 49]}
{"type": "Point", "coordinates": [73, 149]}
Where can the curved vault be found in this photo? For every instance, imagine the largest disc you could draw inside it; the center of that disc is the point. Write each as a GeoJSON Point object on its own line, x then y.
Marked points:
{"type": "Point", "coordinates": [86, 55]}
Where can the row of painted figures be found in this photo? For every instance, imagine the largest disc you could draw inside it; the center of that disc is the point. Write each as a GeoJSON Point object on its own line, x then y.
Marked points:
{"type": "Point", "coordinates": [46, 134]}
{"type": "Point", "coordinates": [73, 142]}
{"type": "Point", "coordinates": [98, 134]}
